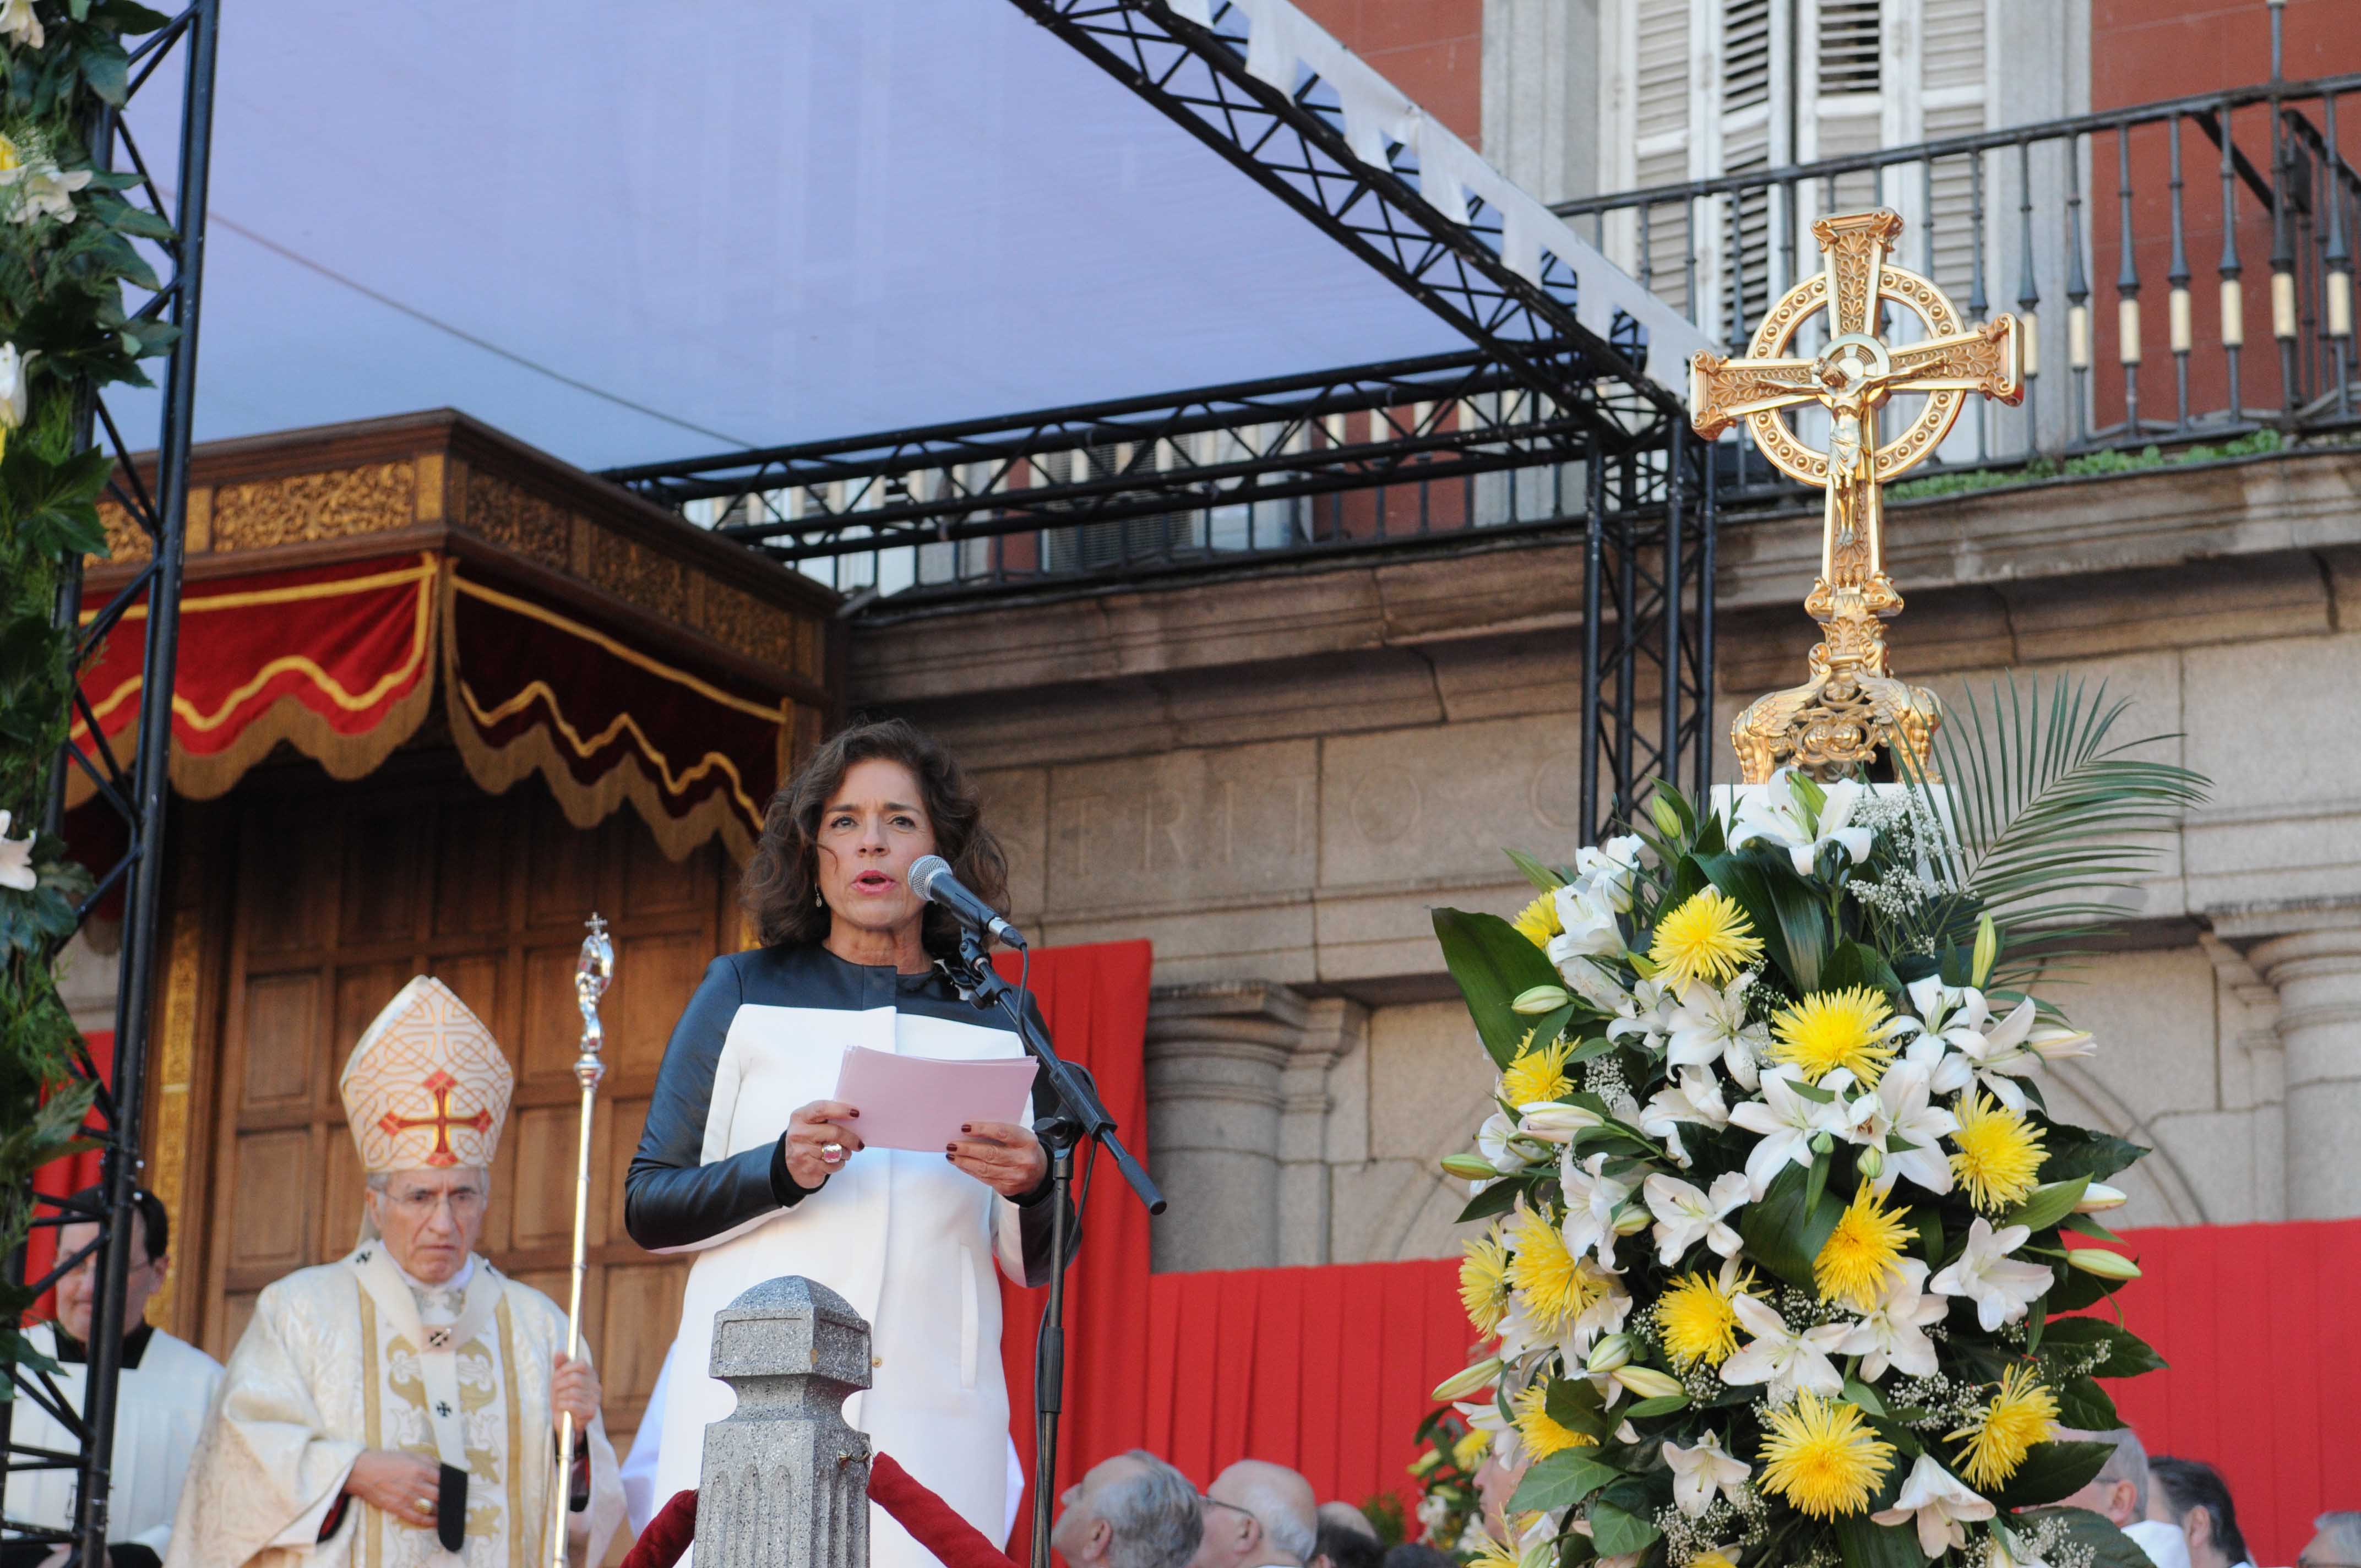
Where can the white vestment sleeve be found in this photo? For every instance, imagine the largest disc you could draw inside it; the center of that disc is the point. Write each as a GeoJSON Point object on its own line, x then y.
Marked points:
{"type": "Point", "coordinates": [267, 1471]}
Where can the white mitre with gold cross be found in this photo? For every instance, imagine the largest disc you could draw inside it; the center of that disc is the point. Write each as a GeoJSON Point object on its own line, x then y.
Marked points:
{"type": "Point", "coordinates": [427, 1086]}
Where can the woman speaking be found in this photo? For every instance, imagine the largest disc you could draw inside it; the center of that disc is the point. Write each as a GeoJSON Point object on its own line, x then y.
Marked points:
{"type": "Point", "coordinates": [750, 1160]}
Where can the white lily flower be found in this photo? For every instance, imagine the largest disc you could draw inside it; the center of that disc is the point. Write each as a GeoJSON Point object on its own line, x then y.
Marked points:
{"type": "Point", "coordinates": [1905, 1108]}
{"type": "Point", "coordinates": [1699, 1473]}
{"type": "Point", "coordinates": [1787, 1361]}
{"type": "Point", "coordinates": [2000, 1290]}
{"type": "Point", "coordinates": [1495, 1141]}
{"type": "Point", "coordinates": [1483, 1415]}
{"type": "Point", "coordinates": [42, 190]}
{"type": "Point", "coordinates": [1940, 1503]}
{"type": "Point", "coordinates": [16, 386]}
{"type": "Point", "coordinates": [1591, 1200]}
{"type": "Point", "coordinates": [2057, 1041]}
{"type": "Point", "coordinates": [1992, 1053]}
{"type": "Point", "coordinates": [1694, 1098]}
{"type": "Point", "coordinates": [1555, 1121]}
{"type": "Point", "coordinates": [1606, 1315]}
{"type": "Point", "coordinates": [1587, 922]}
{"type": "Point", "coordinates": [1609, 869]}
{"type": "Point", "coordinates": [1588, 978]}
{"type": "Point", "coordinates": [1686, 1216]}
{"type": "Point", "coordinates": [19, 26]}
{"type": "Point", "coordinates": [17, 860]}
{"type": "Point", "coordinates": [1787, 1122]}
{"type": "Point", "coordinates": [1707, 1024]}
{"type": "Point", "coordinates": [1646, 1014]}
{"type": "Point", "coordinates": [1892, 1333]}
{"type": "Point", "coordinates": [1773, 813]}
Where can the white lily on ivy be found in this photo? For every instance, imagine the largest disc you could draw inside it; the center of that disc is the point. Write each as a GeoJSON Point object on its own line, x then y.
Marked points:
{"type": "Point", "coordinates": [1693, 1098]}
{"type": "Point", "coordinates": [1609, 869]}
{"type": "Point", "coordinates": [17, 860]}
{"type": "Point", "coordinates": [1594, 982]}
{"type": "Point", "coordinates": [1591, 1198]}
{"type": "Point", "coordinates": [1903, 1107]}
{"type": "Point", "coordinates": [1940, 1503]}
{"type": "Point", "coordinates": [42, 190]}
{"type": "Point", "coordinates": [1496, 1140]}
{"type": "Point", "coordinates": [1706, 1024]}
{"type": "Point", "coordinates": [19, 26]}
{"type": "Point", "coordinates": [1585, 917]}
{"type": "Point", "coordinates": [1783, 1358]}
{"type": "Point", "coordinates": [1686, 1216]}
{"type": "Point", "coordinates": [1699, 1472]}
{"type": "Point", "coordinates": [1788, 1121]}
{"type": "Point", "coordinates": [1780, 813]}
{"type": "Point", "coordinates": [1645, 1017]}
{"type": "Point", "coordinates": [1893, 1332]}
{"type": "Point", "coordinates": [2001, 1289]}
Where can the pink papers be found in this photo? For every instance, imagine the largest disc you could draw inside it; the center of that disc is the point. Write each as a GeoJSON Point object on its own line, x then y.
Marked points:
{"type": "Point", "coordinates": [918, 1102]}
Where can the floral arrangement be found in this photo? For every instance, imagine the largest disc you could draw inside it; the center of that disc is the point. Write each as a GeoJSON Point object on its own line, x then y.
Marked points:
{"type": "Point", "coordinates": [67, 252]}
{"type": "Point", "coordinates": [1776, 1252]}
{"type": "Point", "coordinates": [1449, 1511]}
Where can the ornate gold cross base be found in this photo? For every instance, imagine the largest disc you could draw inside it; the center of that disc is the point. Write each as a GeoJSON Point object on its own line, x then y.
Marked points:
{"type": "Point", "coordinates": [1852, 705]}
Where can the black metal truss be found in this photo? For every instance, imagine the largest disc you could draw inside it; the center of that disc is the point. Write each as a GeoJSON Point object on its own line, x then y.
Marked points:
{"type": "Point", "coordinates": [1435, 418]}
{"type": "Point", "coordinates": [158, 504]}
{"type": "Point", "coordinates": [1647, 627]}
{"type": "Point", "coordinates": [1294, 145]}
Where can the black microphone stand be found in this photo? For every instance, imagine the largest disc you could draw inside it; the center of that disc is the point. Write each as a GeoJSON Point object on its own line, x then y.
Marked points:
{"type": "Point", "coordinates": [1085, 1117]}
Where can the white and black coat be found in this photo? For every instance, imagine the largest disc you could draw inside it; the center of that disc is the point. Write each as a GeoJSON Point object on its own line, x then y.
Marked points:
{"type": "Point", "coordinates": [906, 1238]}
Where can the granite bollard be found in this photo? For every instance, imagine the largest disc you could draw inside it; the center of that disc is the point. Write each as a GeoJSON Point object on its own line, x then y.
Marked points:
{"type": "Point", "coordinates": [786, 1479]}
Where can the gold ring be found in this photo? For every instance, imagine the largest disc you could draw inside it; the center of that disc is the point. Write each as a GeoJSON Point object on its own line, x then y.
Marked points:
{"type": "Point", "coordinates": [426, 1505]}
{"type": "Point", "coordinates": [832, 1152]}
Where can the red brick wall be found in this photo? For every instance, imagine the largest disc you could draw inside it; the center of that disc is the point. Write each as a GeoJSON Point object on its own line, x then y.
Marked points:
{"type": "Point", "coordinates": [2145, 49]}
{"type": "Point", "coordinates": [1432, 49]}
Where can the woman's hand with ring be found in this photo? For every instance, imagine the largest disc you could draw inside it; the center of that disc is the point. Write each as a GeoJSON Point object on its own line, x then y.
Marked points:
{"type": "Point", "coordinates": [819, 1139]}
{"type": "Point", "coordinates": [1003, 1156]}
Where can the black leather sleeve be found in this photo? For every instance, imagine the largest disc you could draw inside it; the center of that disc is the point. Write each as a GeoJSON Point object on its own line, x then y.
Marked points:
{"type": "Point", "coordinates": [671, 1202]}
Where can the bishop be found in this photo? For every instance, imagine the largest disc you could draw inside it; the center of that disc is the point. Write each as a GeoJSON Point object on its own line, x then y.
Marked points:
{"type": "Point", "coordinates": [398, 1407]}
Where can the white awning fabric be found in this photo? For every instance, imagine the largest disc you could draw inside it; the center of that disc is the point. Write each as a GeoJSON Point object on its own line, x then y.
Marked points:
{"type": "Point", "coordinates": [631, 232]}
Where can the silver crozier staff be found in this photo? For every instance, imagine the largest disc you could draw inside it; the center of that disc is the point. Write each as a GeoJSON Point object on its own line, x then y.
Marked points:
{"type": "Point", "coordinates": [592, 972]}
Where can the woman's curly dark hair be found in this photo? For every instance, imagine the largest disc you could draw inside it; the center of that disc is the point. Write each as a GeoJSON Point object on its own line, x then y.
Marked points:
{"type": "Point", "coordinates": [781, 887]}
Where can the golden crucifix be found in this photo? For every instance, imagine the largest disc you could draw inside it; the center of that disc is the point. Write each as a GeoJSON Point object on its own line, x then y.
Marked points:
{"type": "Point", "coordinates": [1852, 705]}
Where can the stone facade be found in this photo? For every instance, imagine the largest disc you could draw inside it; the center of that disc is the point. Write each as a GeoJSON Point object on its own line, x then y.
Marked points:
{"type": "Point", "coordinates": [1274, 776]}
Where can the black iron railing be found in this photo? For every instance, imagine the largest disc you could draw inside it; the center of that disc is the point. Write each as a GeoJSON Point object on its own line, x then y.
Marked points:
{"type": "Point", "coordinates": [2236, 212]}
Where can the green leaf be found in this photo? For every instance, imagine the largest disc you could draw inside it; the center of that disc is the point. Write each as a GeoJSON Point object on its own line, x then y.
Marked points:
{"type": "Point", "coordinates": [2048, 1205]}
{"type": "Point", "coordinates": [2052, 1471]}
{"type": "Point", "coordinates": [1540, 875]}
{"type": "Point", "coordinates": [104, 67]}
{"type": "Point", "coordinates": [1862, 1543]}
{"type": "Point", "coordinates": [2077, 1151]}
{"type": "Point", "coordinates": [1785, 1234]}
{"type": "Point", "coordinates": [2036, 1315]}
{"type": "Point", "coordinates": [1851, 963]}
{"type": "Point", "coordinates": [1664, 1405]}
{"type": "Point", "coordinates": [1861, 1394]}
{"type": "Point", "coordinates": [1615, 1533]}
{"type": "Point", "coordinates": [2128, 1355]}
{"type": "Point", "coordinates": [1493, 964]}
{"type": "Point", "coordinates": [2085, 1406]}
{"type": "Point", "coordinates": [1816, 1184]}
{"type": "Point", "coordinates": [1791, 922]}
{"type": "Point", "coordinates": [1575, 1403]}
{"type": "Point", "coordinates": [1497, 1198]}
{"type": "Point", "coordinates": [1561, 1481]}
{"type": "Point", "coordinates": [2083, 1225]}
{"type": "Point", "coordinates": [2109, 1547]}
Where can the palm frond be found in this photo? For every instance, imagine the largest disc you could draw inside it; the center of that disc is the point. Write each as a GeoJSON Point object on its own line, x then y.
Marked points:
{"type": "Point", "coordinates": [2046, 810]}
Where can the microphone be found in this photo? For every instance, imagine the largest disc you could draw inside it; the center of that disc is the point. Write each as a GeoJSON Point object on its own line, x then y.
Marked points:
{"type": "Point", "coordinates": [931, 878]}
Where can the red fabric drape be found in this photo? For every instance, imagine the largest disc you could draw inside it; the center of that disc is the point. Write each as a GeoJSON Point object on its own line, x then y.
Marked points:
{"type": "Point", "coordinates": [1095, 1001]}
{"type": "Point", "coordinates": [63, 1179]}
{"type": "Point", "coordinates": [2254, 1320]}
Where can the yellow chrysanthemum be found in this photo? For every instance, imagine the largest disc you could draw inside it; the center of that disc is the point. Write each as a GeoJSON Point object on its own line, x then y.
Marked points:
{"type": "Point", "coordinates": [1471, 1448]}
{"type": "Point", "coordinates": [8, 159]}
{"type": "Point", "coordinates": [1821, 1458]}
{"type": "Point", "coordinates": [1857, 1260]}
{"type": "Point", "coordinates": [1543, 1433]}
{"type": "Point", "coordinates": [1537, 1074]}
{"type": "Point", "coordinates": [1484, 1281]}
{"type": "Point", "coordinates": [1697, 1321]}
{"type": "Point", "coordinates": [1707, 938]}
{"type": "Point", "coordinates": [1996, 1153]}
{"type": "Point", "coordinates": [2019, 1416]}
{"type": "Point", "coordinates": [1831, 1029]}
{"type": "Point", "coordinates": [1494, 1555]}
{"type": "Point", "coordinates": [1554, 1283]}
{"type": "Point", "coordinates": [1714, 1557]}
{"type": "Point", "coordinates": [1538, 921]}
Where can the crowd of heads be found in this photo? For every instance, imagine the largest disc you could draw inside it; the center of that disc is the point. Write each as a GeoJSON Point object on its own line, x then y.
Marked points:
{"type": "Point", "coordinates": [1136, 1511]}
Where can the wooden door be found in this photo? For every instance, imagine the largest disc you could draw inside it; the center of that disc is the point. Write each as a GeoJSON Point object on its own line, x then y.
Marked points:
{"type": "Point", "coordinates": [338, 895]}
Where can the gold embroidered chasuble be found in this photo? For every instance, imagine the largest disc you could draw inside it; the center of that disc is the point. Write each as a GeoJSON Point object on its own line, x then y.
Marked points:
{"type": "Point", "coordinates": [347, 1356]}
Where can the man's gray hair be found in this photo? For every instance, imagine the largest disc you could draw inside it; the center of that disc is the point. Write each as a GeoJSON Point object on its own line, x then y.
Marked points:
{"type": "Point", "coordinates": [1289, 1525]}
{"type": "Point", "coordinates": [1153, 1519]}
{"type": "Point", "coordinates": [2128, 1463]}
{"type": "Point", "coordinates": [2343, 1529]}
